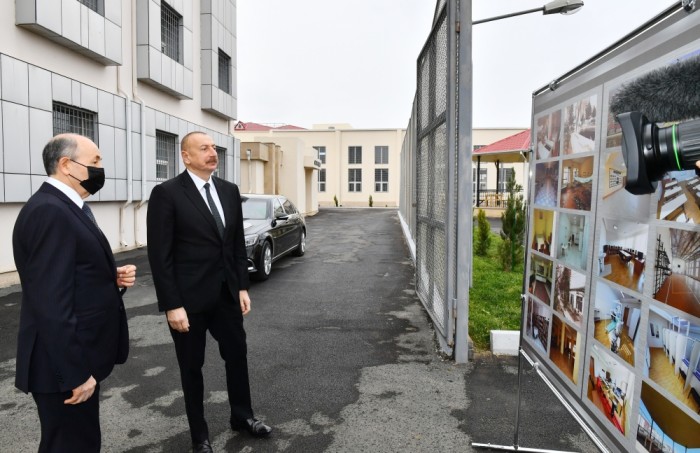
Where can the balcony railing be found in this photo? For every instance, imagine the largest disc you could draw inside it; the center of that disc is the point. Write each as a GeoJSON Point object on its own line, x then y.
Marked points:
{"type": "Point", "coordinates": [490, 198]}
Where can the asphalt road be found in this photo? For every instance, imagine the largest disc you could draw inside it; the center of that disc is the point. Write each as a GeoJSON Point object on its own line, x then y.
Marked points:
{"type": "Point", "coordinates": [342, 358]}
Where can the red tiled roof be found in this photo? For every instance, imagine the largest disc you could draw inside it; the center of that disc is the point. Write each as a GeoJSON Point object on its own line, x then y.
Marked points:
{"type": "Point", "coordinates": [257, 127]}
{"type": "Point", "coordinates": [517, 142]}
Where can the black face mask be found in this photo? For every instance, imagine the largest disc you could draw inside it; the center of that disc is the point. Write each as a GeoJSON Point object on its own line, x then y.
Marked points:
{"type": "Point", "coordinates": [95, 180]}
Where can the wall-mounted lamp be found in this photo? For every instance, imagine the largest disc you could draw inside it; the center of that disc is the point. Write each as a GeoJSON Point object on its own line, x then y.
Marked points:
{"type": "Point", "coordinates": [555, 7]}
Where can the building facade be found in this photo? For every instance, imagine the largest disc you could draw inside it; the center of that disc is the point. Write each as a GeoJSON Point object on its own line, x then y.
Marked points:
{"type": "Point", "coordinates": [354, 163]}
{"type": "Point", "coordinates": [133, 75]}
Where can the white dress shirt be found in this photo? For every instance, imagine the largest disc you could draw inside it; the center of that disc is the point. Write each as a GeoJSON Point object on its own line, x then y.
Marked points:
{"type": "Point", "coordinates": [67, 190]}
{"type": "Point", "coordinates": [199, 182]}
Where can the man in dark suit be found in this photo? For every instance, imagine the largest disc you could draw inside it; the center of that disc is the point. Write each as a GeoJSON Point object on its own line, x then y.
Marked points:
{"type": "Point", "coordinates": [196, 249]}
{"type": "Point", "coordinates": [72, 327]}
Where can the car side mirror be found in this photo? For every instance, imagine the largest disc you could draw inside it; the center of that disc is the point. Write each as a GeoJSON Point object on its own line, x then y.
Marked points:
{"type": "Point", "coordinates": [281, 217]}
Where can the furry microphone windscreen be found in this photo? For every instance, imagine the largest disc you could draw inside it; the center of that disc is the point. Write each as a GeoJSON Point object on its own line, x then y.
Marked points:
{"type": "Point", "coordinates": [666, 94]}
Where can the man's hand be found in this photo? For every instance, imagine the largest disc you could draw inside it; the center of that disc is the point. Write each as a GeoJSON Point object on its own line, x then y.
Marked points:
{"type": "Point", "coordinates": [126, 276]}
{"type": "Point", "coordinates": [245, 301]}
{"type": "Point", "coordinates": [83, 392]}
{"type": "Point", "coordinates": [177, 319]}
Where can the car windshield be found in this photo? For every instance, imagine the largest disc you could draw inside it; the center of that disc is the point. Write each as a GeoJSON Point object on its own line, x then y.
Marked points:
{"type": "Point", "coordinates": [254, 209]}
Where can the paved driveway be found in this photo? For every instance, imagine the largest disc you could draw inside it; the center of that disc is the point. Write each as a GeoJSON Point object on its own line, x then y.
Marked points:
{"type": "Point", "coordinates": [341, 356]}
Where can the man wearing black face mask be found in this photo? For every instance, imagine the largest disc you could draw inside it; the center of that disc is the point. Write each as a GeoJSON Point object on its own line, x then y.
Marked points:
{"type": "Point", "coordinates": [72, 328]}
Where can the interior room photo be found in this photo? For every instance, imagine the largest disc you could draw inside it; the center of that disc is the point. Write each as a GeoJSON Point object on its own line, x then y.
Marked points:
{"type": "Point", "coordinates": [542, 229]}
{"type": "Point", "coordinates": [677, 269]}
{"type": "Point", "coordinates": [569, 294]}
{"type": "Point", "coordinates": [577, 183]}
{"type": "Point", "coordinates": [580, 126]}
{"type": "Point", "coordinates": [616, 319]}
{"type": "Point", "coordinates": [537, 323]}
{"type": "Point", "coordinates": [679, 198]}
{"type": "Point", "coordinates": [546, 184]}
{"type": "Point", "coordinates": [610, 387]}
{"type": "Point", "coordinates": [664, 427]}
{"type": "Point", "coordinates": [673, 356]}
{"type": "Point", "coordinates": [616, 201]}
{"type": "Point", "coordinates": [572, 239]}
{"type": "Point", "coordinates": [548, 135]}
{"type": "Point", "coordinates": [540, 281]}
{"type": "Point", "coordinates": [564, 348]}
{"type": "Point", "coordinates": [622, 252]}
{"type": "Point", "coordinates": [613, 137]}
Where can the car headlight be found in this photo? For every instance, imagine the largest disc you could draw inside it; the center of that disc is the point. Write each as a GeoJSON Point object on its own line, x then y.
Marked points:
{"type": "Point", "coordinates": [251, 239]}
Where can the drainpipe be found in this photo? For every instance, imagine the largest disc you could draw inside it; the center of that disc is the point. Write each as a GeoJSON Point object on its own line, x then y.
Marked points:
{"type": "Point", "coordinates": [250, 175]}
{"type": "Point", "coordinates": [134, 89]}
{"type": "Point", "coordinates": [129, 163]}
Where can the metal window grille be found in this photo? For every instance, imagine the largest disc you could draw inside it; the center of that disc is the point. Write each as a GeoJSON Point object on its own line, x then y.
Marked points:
{"type": "Point", "coordinates": [166, 152]}
{"type": "Point", "coordinates": [322, 180]}
{"type": "Point", "coordinates": [170, 26]}
{"type": "Point", "coordinates": [321, 151]}
{"type": "Point", "coordinates": [224, 72]}
{"type": "Point", "coordinates": [381, 179]}
{"type": "Point", "coordinates": [355, 180]}
{"type": "Point", "coordinates": [354, 154]}
{"type": "Point", "coordinates": [221, 165]}
{"type": "Point", "coordinates": [381, 154]}
{"type": "Point", "coordinates": [96, 5]}
{"type": "Point", "coordinates": [67, 118]}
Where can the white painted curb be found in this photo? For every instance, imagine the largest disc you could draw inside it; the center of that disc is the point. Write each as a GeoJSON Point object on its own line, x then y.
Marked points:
{"type": "Point", "coordinates": [505, 342]}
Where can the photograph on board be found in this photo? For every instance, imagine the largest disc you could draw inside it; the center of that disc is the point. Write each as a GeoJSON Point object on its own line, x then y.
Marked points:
{"type": "Point", "coordinates": [616, 319]}
{"type": "Point", "coordinates": [548, 135]}
{"type": "Point", "coordinates": [564, 348]}
{"type": "Point", "coordinates": [540, 282]}
{"type": "Point", "coordinates": [621, 252]}
{"type": "Point", "coordinates": [678, 197]}
{"type": "Point", "coordinates": [546, 184]}
{"type": "Point", "coordinates": [677, 269]}
{"type": "Point", "coordinates": [616, 201]}
{"type": "Point", "coordinates": [664, 427]}
{"type": "Point", "coordinates": [572, 239]}
{"type": "Point", "coordinates": [613, 136]}
{"type": "Point", "coordinates": [576, 183]}
{"type": "Point", "coordinates": [542, 230]}
{"type": "Point", "coordinates": [537, 323]}
{"type": "Point", "coordinates": [580, 126]}
{"type": "Point", "coordinates": [569, 294]}
{"type": "Point", "coordinates": [673, 355]}
{"type": "Point", "coordinates": [610, 388]}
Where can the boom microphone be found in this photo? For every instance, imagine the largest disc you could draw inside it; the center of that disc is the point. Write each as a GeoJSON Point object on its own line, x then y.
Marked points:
{"type": "Point", "coordinates": [668, 94]}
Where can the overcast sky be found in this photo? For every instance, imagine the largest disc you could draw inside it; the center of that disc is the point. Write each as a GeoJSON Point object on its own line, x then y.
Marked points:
{"type": "Point", "coordinates": [305, 62]}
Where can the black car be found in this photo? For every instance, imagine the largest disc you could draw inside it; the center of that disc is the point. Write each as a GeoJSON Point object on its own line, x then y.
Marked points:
{"type": "Point", "coordinates": [273, 228]}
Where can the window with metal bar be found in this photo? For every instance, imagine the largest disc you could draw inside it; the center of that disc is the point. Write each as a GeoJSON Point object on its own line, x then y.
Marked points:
{"type": "Point", "coordinates": [224, 72]}
{"type": "Point", "coordinates": [503, 176]}
{"type": "Point", "coordinates": [170, 32]}
{"type": "Point", "coordinates": [354, 180]}
{"type": "Point", "coordinates": [381, 154]}
{"type": "Point", "coordinates": [221, 165]}
{"type": "Point", "coordinates": [166, 155]}
{"type": "Point", "coordinates": [322, 180]}
{"type": "Point", "coordinates": [381, 179]}
{"type": "Point", "coordinates": [321, 151]}
{"type": "Point", "coordinates": [96, 5]}
{"type": "Point", "coordinates": [67, 118]}
{"type": "Point", "coordinates": [354, 155]}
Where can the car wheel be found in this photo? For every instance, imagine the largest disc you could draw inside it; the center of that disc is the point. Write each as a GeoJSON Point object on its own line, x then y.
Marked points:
{"type": "Point", "coordinates": [264, 263]}
{"type": "Point", "coordinates": [301, 247]}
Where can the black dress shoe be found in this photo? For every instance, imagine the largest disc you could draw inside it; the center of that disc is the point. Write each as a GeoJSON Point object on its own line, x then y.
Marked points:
{"type": "Point", "coordinates": [204, 447]}
{"type": "Point", "coordinates": [255, 427]}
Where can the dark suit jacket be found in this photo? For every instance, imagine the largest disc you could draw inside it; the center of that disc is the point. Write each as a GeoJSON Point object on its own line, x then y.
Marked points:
{"type": "Point", "coordinates": [189, 259]}
{"type": "Point", "coordinates": [72, 321]}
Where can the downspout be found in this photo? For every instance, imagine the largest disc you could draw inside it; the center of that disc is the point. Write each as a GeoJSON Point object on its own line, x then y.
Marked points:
{"type": "Point", "coordinates": [250, 172]}
{"type": "Point", "coordinates": [134, 89]}
{"type": "Point", "coordinates": [129, 163]}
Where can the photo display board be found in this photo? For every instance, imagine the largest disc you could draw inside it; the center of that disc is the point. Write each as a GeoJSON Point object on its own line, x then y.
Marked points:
{"type": "Point", "coordinates": [612, 306]}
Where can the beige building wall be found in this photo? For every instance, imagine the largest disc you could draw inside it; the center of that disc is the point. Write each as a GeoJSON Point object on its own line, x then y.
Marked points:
{"type": "Point", "coordinates": [337, 139]}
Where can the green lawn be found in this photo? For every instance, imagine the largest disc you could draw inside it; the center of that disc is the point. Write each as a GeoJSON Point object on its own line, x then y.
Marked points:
{"type": "Point", "coordinates": [494, 299]}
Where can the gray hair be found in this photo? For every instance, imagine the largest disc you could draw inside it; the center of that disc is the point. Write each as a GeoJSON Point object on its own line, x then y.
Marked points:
{"type": "Point", "coordinates": [58, 147]}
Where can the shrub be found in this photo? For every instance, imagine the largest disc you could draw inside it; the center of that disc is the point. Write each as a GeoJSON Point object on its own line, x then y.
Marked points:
{"type": "Point", "coordinates": [335, 199]}
{"type": "Point", "coordinates": [483, 234]}
{"type": "Point", "coordinates": [371, 203]}
{"type": "Point", "coordinates": [513, 227]}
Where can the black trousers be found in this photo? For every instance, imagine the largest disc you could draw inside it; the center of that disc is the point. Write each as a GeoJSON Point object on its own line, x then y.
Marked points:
{"type": "Point", "coordinates": [225, 323]}
{"type": "Point", "coordinates": [68, 427]}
